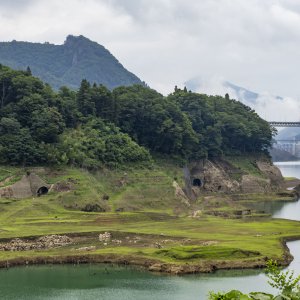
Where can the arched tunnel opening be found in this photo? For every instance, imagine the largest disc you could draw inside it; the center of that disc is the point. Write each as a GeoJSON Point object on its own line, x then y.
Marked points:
{"type": "Point", "coordinates": [42, 191]}
{"type": "Point", "coordinates": [197, 182]}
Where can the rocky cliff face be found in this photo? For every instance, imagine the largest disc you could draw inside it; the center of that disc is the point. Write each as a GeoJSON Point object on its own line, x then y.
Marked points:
{"type": "Point", "coordinates": [221, 175]}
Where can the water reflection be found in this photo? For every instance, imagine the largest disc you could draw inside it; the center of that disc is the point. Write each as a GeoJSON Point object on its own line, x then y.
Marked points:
{"type": "Point", "coordinates": [289, 210]}
{"type": "Point", "coordinates": [115, 283]}
{"type": "Point", "coordinates": [289, 168]}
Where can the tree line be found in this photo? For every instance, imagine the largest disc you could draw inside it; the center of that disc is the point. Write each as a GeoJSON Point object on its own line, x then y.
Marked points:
{"type": "Point", "coordinates": [95, 126]}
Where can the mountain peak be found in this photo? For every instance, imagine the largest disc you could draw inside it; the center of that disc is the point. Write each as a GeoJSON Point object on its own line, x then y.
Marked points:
{"type": "Point", "coordinates": [71, 39]}
{"type": "Point", "coordinates": [78, 58]}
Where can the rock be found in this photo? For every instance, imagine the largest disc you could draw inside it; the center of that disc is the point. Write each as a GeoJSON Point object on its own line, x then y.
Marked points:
{"type": "Point", "coordinates": [155, 267]}
{"type": "Point", "coordinates": [51, 241]}
{"type": "Point", "coordinates": [218, 175]}
{"type": "Point", "coordinates": [253, 184]}
{"type": "Point", "coordinates": [196, 213]}
{"type": "Point", "coordinates": [45, 242]}
{"type": "Point", "coordinates": [105, 237]}
{"type": "Point", "coordinates": [179, 193]}
{"type": "Point", "coordinates": [271, 172]}
{"type": "Point", "coordinates": [158, 245]}
{"type": "Point", "coordinates": [90, 248]}
{"type": "Point", "coordinates": [116, 241]}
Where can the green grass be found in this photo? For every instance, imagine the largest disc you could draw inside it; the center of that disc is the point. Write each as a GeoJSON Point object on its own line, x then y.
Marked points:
{"type": "Point", "coordinates": [246, 164]}
{"type": "Point", "coordinates": [290, 178]}
{"type": "Point", "coordinates": [9, 175]}
{"type": "Point", "coordinates": [149, 197]}
{"type": "Point", "coordinates": [206, 252]}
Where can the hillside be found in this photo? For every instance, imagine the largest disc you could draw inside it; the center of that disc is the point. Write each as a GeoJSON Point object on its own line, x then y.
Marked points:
{"type": "Point", "coordinates": [139, 217]}
{"type": "Point", "coordinates": [95, 126]}
{"type": "Point", "coordinates": [67, 64]}
{"type": "Point", "coordinates": [131, 176]}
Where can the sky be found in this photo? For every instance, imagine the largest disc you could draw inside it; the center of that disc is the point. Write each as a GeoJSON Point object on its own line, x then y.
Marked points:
{"type": "Point", "coordinates": [251, 43]}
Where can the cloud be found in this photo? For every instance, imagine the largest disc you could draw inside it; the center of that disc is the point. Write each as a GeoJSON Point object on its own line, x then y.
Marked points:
{"type": "Point", "coordinates": [165, 42]}
{"type": "Point", "coordinates": [268, 106]}
{"type": "Point", "coordinates": [15, 4]}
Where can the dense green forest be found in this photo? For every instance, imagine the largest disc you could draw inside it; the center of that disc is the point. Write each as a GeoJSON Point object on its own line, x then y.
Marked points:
{"type": "Point", "coordinates": [67, 64]}
{"type": "Point", "coordinates": [94, 126]}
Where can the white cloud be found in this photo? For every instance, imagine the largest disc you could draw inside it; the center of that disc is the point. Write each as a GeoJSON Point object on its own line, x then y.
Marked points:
{"type": "Point", "coordinates": [268, 106]}
{"type": "Point", "coordinates": [274, 109]}
{"type": "Point", "coordinates": [165, 42]}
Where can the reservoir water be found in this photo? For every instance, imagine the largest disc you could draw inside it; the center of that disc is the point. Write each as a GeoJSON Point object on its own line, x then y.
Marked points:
{"type": "Point", "coordinates": [120, 283]}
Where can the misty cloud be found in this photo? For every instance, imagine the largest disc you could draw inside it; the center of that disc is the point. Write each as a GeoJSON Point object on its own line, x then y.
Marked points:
{"type": "Point", "coordinates": [251, 43]}
{"type": "Point", "coordinates": [268, 106]}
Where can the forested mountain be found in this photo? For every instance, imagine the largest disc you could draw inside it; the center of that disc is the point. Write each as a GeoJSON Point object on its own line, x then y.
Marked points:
{"type": "Point", "coordinates": [95, 126]}
{"type": "Point", "coordinates": [67, 64]}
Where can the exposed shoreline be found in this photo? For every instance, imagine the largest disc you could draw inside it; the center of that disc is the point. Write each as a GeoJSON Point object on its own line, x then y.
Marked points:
{"type": "Point", "coordinates": [152, 265]}
{"type": "Point", "coordinates": [206, 265]}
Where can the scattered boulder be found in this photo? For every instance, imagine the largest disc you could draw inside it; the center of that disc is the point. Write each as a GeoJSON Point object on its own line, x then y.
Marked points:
{"type": "Point", "coordinates": [90, 248]}
{"type": "Point", "coordinates": [93, 208]}
{"type": "Point", "coordinates": [45, 242]}
{"type": "Point", "coordinates": [53, 241]}
{"type": "Point", "coordinates": [158, 245]}
{"type": "Point", "coordinates": [117, 242]}
{"type": "Point", "coordinates": [105, 237]}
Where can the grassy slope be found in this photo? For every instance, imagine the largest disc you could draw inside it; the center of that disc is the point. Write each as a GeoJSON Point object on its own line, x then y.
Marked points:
{"type": "Point", "coordinates": [150, 193]}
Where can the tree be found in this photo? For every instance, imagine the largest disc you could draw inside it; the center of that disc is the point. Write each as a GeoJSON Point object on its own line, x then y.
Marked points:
{"type": "Point", "coordinates": [284, 281]}
{"type": "Point", "coordinates": [154, 121]}
{"type": "Point", "coordinates": [16, 144]}
{"type": "Point", "coordinates": [28, 71]}
{"type": "Point", "coordinates": [84, 99]}
{"type": "Point", "coordinates": [47, 124]}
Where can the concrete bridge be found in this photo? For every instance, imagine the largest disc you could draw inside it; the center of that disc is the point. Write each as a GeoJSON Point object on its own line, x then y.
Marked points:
{"type": "Point", "coordinates": [288, 141]}
{"type": "Point", "coordinates": [284, 124]}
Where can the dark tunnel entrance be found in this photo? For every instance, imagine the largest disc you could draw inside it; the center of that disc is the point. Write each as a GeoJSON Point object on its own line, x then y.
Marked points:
{"type": "Point", "coordinates": [197, 182]}
{"type": "Point", "coordinates": [42, 191]}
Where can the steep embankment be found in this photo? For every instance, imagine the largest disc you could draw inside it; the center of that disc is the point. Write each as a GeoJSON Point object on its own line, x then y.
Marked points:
{"type": "Point", "coordinates": [252, 174]}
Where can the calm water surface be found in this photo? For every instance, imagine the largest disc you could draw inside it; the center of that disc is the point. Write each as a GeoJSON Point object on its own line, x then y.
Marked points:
{"type": "Point", "coordinates": [118, 283]}
{"type": "Point", "coordinates": [289, 210]}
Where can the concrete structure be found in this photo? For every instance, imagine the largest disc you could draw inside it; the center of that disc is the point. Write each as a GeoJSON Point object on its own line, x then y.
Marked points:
{"type": "Point", "coordinates": [29, 185]}
{"type": "Point", "coordinates": [284, 124]}
{"type": "Point", "coordinates": [290, 146]}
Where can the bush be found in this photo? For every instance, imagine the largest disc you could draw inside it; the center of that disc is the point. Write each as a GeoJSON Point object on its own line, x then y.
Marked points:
{"type": "Point", "coordinates": [284, 281]}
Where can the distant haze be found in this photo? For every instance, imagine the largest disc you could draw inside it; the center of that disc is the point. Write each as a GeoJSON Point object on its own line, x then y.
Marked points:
{"type": "Point", "coordinates": [268, 106]}
{"type": "Point", "coordinates": [253, 43]}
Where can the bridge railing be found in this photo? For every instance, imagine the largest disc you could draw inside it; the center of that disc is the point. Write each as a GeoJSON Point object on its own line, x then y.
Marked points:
{"type": "Point", "coordinates": [284, 124]}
